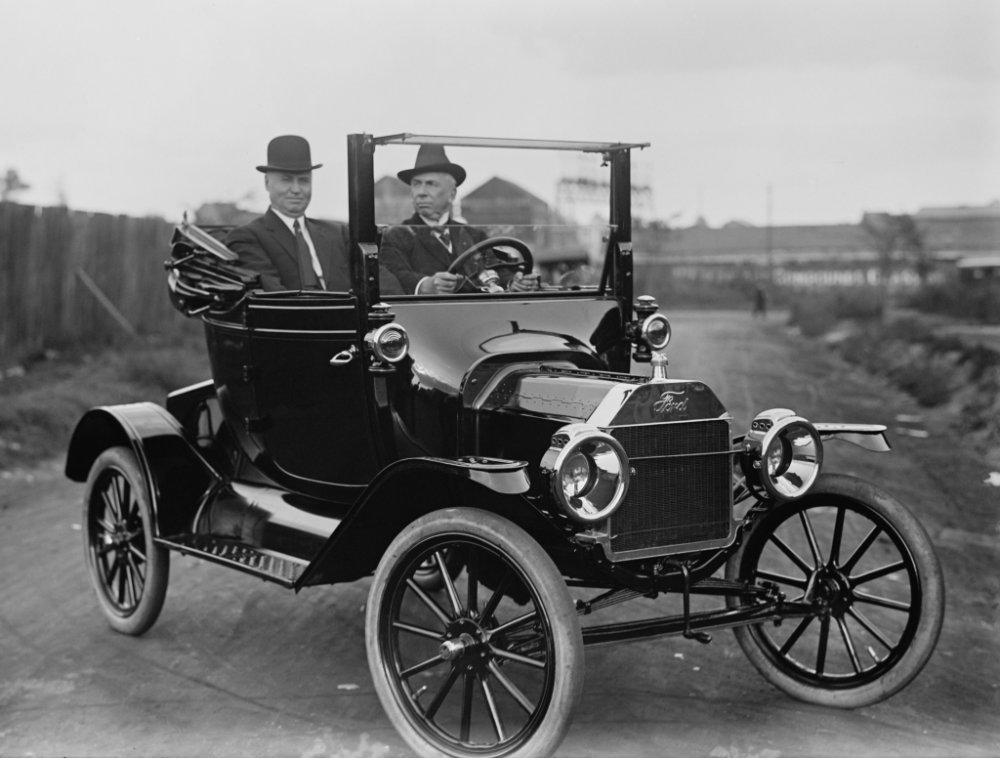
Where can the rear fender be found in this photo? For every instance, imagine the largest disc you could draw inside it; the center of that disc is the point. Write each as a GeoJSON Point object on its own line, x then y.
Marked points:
{"type": "Point", "coordinates": [175, 474]}
{"type": "Point", "coordinates": [411, 488]}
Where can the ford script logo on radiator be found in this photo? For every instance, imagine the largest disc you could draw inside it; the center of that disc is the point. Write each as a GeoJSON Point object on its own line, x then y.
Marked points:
{"type": "Point", "coordinates": [671, 402]}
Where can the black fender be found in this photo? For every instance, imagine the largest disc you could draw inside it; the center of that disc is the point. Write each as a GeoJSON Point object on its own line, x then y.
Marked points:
{"type": "Point", "coordinates": [869, 436]}
{"type": "Point", "coordinates": [177, 477]}
{"type": "Point", "coordinates": [413, 487]}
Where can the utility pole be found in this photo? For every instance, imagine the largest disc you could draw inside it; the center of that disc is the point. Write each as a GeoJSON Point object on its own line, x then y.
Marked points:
{"type": "Point", "coordinates": [769, 234]}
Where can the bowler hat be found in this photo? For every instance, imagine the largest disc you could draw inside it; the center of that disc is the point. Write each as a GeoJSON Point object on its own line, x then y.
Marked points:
{"type": "Point", "coordinates": [290, 153]}
{"type": "Point", "coordinates": [432, 158]}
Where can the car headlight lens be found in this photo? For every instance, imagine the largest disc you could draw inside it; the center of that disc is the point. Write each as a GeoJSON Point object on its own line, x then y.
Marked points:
{"type": "Point", "coordinates": [782, 455]}
{"type": "Point", "coordinates": [656, 331]}
{"type": "Point", "coordinates": [577, 475]}
{"type": "Point", "coordinates": [390, 343]}
{"type": "Point", "coordinates": [588, 470]}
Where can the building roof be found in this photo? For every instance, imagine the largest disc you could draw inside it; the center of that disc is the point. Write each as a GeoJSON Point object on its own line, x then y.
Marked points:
{"type": "Point", "coordinates": [733, 243]}
{"type": "Point", "coordinates": [953, 212]}
{"type": "Point", "coordinates": [980, 261]}
{"type": "Point", "coordinates": [946, 237]}
{"type": "Point", "coordinates": [497, 189]}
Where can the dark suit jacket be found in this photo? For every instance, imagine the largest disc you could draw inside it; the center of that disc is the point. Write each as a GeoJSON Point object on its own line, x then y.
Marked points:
{"type": "Point", "coordinates": [411, 251]}
{"type": "Point", "coordinates": [267, 246]}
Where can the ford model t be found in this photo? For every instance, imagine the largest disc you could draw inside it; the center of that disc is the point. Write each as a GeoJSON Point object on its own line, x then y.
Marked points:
{"type": "Point", "coordinates": [507, 465]}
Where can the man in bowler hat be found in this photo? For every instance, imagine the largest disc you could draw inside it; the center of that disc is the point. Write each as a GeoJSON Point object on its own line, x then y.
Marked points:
{"type": "Point", "coordinates": [420, 251]}
{"type": "Point", "coordinates": [288, 250]}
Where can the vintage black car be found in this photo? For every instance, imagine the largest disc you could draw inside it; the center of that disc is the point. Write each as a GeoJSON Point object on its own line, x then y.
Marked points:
{"type": "Point", "coordinates": [504, 464]}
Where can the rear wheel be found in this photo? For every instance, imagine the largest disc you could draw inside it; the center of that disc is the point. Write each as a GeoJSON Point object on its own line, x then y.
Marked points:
{"type": "Point", "coordinates": [128, 570]}
{"type": "Point", "coordinates": [870, 573]}
{"type": "Point", "coordinates": [495, 667]}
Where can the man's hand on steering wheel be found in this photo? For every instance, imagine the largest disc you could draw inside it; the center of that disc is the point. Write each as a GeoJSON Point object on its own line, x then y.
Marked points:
{"type": "Point", "coordinates": [440, 283]}
{"type": "Point", "coordinates": [524, 283]}
{"type": "Point", "coordinates": [521, 280]}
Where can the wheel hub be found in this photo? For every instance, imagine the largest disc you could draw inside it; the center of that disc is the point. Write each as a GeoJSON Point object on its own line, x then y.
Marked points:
{"type": "Point", "coordinates": [456, 648]}
{"type": "Point", "coordinates": [831, 590]}
{"type": "Point", "coordinates": [119, 536]}
{"type": "Point", "coordinates": [466, 644]}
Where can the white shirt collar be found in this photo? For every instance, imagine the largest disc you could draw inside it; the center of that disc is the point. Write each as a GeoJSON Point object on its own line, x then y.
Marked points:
{"type": "Point", "coordinates": [290, 222]}
{"type": "Point", "coordinates": [440, 222]}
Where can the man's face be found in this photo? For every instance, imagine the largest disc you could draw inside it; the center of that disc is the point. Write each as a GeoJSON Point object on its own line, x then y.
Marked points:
{"type": "Point", "coordinates": [432, 193]}
{"type": "Point", "coordinates": [290, 193]}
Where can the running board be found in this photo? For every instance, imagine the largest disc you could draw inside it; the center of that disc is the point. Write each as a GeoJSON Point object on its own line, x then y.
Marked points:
{"type": "Point", "coordinates": [274, 567]}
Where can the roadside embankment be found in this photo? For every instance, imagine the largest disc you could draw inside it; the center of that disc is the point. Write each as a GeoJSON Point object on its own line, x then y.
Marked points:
{"type": "Point", "coordinates": [951, 373]}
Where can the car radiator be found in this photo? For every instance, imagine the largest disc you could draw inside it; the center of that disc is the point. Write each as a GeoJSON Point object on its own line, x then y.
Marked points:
{"type": "Point", "coordinates": [681, 489]}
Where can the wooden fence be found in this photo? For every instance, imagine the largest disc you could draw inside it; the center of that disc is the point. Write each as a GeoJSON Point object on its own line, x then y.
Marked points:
{"type": "Point", "coordinates": [68, 277]}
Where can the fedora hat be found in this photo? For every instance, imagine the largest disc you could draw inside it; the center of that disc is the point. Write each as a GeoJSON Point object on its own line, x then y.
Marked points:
{"type": "Point", "coordinates": [290, 153]}
{"type": "Point", "coordinates": [432, 158]}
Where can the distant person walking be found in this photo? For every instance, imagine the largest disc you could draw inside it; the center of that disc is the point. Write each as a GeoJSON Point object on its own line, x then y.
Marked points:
{"type": "Point", "coordinates": [759, 302]}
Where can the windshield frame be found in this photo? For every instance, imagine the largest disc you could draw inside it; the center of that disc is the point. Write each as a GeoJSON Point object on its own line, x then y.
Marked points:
{"type": "Point", "coordinates": [616, 272]}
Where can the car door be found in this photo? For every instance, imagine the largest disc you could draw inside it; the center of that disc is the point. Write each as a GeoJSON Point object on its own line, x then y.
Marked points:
{"type": "Point", "coordinates": [310, 388]}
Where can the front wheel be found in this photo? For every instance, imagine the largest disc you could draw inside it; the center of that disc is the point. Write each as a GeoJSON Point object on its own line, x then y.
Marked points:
{"type": "Point", "coordinates": [495, 667]}
{"type": "Point", "coordinates": [128, 570]}
{"type": "Point", "coordinates": [868, 570]}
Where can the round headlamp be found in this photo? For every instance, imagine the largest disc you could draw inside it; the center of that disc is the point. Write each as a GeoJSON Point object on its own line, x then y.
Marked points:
{"type": "Point", "coordinates": [656, 331]}
{"type": "Point", "coordinates": [782, 455]}
{"type": "Point", "coordinates": [390, 343]}
{"type": "Point", "coordinates": [588, 472]}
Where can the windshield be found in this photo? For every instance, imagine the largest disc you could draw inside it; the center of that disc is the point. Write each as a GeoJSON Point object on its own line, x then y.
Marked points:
{"type": "Point", "coordinates": [435, 203]}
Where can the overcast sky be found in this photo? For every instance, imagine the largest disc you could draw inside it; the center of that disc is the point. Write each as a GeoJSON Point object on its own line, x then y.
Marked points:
{"type": "Point", "coordinates": [841, 107]}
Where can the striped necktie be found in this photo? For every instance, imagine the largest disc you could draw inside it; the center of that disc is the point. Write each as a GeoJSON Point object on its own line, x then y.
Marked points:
{"type": "Point", "coordinates": [444, 236]}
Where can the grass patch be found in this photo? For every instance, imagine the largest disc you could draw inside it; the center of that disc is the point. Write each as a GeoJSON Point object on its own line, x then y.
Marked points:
{"type": "Point", "coordinates": [816, 312]}
{"type": "Point", "coordinates": [40, 407]}
{"type": "Point", "coordinates": [973, 301]}
{"type": "Point", "coordinates": [932, 369]}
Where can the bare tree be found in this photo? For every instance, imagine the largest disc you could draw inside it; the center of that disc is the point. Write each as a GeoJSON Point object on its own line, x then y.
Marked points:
{"type": "Point", "coordinates": [10, 183]}
{"type": "Point", "coordinates": [898, 240]}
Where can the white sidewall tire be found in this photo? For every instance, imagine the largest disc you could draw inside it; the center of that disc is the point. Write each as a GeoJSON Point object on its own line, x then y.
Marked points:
{"type": "Point", "coordinates": [134, 621]}
{"type": "Point", "coordinates": [829, 489]}
{"type": "Point", "coordinates": [554, 599]}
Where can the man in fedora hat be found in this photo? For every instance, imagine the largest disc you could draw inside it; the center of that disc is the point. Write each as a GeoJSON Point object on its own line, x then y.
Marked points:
{"type": "Point", "coordinates": [420, 251]}
{"type": "Point", "coordinates": [290, 251]}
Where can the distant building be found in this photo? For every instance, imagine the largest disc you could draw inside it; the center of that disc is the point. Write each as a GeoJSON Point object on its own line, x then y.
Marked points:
{"type": "Point", "coordinates": [507, 209]}
{"type": "Point", "coordinates": [969, 234]}
{"type": "Point", "coordinates": [222, 214]}
{"type": "Point", "coordinates": [738, 243]}
{"type": "Point", "coordinates": [392, 201]}
{"type": "Point", "coordinates": [963, 238]}
{"type": "Point", "coordinates": [832, 254]}
{"type": "Point", "coordinates": [498, 201]}
{"type": "Point", "coordinates": [955, 212]}
{"type": "Point", "coordinates": [962, 231]}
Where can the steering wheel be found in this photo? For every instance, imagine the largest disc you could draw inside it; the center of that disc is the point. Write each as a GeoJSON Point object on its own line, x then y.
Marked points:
{"type": "Point", "coordinates": [524, 266]}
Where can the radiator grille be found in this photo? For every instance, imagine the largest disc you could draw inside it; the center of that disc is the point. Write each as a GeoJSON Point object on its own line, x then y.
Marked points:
{"type": "Point", "coordinates": [680, 497]}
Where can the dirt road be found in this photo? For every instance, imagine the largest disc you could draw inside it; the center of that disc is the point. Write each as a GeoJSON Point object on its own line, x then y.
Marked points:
{"type": "Point", "coordinates": [237, 667]}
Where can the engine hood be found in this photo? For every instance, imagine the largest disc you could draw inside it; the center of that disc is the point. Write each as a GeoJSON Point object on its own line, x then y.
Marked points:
{"type": "Point", "coordinates": [602, 399]}
{"type": "Point", "coordinates": [447, 339]}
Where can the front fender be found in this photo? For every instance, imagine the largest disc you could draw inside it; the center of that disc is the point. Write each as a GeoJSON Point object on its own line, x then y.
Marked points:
{"type": "Point", "coordinates": [869, 436]}
{"type": "Point", "coordinates": [411, 488]}
{"type": "Point", "coordinates": [175, 474]}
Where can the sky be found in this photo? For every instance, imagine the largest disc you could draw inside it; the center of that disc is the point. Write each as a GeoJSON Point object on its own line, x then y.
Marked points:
{"type": "Point", "coordinates": [788, 111]}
